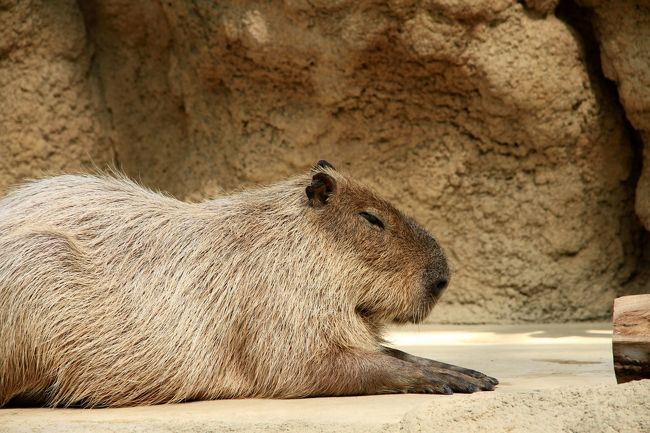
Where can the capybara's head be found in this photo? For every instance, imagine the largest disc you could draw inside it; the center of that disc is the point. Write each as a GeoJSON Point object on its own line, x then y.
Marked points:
{"type": "Point", "coordinates": [399, 270]}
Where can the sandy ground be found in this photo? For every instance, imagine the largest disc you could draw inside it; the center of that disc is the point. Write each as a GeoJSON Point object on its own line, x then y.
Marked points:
{"type": "Point", "coordinates": [553, 378]}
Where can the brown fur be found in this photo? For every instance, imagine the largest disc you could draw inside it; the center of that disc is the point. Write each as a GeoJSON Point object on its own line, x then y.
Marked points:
{"type": "Point", "coordinates": [114, 295]}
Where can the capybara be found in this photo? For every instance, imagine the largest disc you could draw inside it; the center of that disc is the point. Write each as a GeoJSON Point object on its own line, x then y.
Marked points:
{"type": "Point", "coordinates": [115, 295]}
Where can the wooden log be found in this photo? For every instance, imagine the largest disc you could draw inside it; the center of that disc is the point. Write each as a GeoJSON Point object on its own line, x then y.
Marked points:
{"type": "Point", "coordinates": [631, 339]}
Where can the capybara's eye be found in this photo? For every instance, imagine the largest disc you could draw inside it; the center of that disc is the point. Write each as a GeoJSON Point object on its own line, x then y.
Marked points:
{"type": "Point", "coordinates": [372, 219]}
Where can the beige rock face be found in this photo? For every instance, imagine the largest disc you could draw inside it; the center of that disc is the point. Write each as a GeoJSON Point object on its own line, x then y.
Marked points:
{"type": "Point", "coordinates": [48, 117]}
{"type": "Point", "coordinates": [484, 122]}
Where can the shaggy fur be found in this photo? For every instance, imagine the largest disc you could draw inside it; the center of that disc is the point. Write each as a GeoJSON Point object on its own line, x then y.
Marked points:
{"type": "Point", "coordinates": [114, 295]}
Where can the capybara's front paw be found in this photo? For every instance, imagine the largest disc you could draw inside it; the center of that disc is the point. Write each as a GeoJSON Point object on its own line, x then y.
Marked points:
{"type": "Point", "coordinates": [429, 383]}
{"type": "Point", "coordinates": [448, 382]}
{"type": "Point", "coordinates": [463, 383]}
{"type": "Point", "coordinates": [460, 383]}
{"type": "Point", "coordinates": [431, 387]}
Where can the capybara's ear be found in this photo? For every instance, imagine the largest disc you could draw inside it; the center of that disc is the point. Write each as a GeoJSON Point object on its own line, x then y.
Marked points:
{"type": "Point", "coordinates": [322, 186]}
{"type": "Point", "coordinates": [322, 164]}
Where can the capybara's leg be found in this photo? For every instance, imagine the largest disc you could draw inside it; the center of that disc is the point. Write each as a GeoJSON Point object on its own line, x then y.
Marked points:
{"type": "Point", "coordinates": [484, 382]}
{"type": "Point", "coordinates": [362, 373]}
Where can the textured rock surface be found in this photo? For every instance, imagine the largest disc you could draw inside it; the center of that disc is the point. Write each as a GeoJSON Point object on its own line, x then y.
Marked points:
{"type": "Point", "coordinates": [48, 117]}
{"type": "Point", "coordinates": [485, 122]}
{"type": "Point", "coordinates": [584, 409]}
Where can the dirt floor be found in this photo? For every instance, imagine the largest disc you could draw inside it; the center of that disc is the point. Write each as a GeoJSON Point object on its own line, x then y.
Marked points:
{"type": "Point", "coordinates": [553, 378]}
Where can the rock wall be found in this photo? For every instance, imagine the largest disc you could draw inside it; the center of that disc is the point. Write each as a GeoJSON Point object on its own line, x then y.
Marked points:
{"type": "Point", "coordinates": [490, 122]}
{"type": "Point", "coordinates": [49, 120]}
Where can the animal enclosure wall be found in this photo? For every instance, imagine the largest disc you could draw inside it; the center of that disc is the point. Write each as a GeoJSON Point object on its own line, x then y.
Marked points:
{"type": "Point", "coordinates": [512, 130]}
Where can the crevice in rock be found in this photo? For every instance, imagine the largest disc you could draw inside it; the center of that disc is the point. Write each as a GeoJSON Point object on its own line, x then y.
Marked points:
{"type": "Point", "coordinates": [89, 16]}
{"type": "Point", "coordinates": [531, 12]}
{"type": "Point", "coordinates": [580, 19]}
{"type": "Point", "coordinates": [538, 8]}
{"type": "Point", "coordinates": [639, 279]}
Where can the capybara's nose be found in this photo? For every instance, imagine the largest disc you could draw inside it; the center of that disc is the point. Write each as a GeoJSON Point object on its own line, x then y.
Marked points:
{"type": "Point", "coordinates": [437, 286]}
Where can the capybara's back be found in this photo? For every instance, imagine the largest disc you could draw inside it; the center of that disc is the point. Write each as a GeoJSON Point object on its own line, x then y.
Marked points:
{"type": "Point", "coordinates": [113, 295]}
{"type": "Point", "coordinates": [104, 295]}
